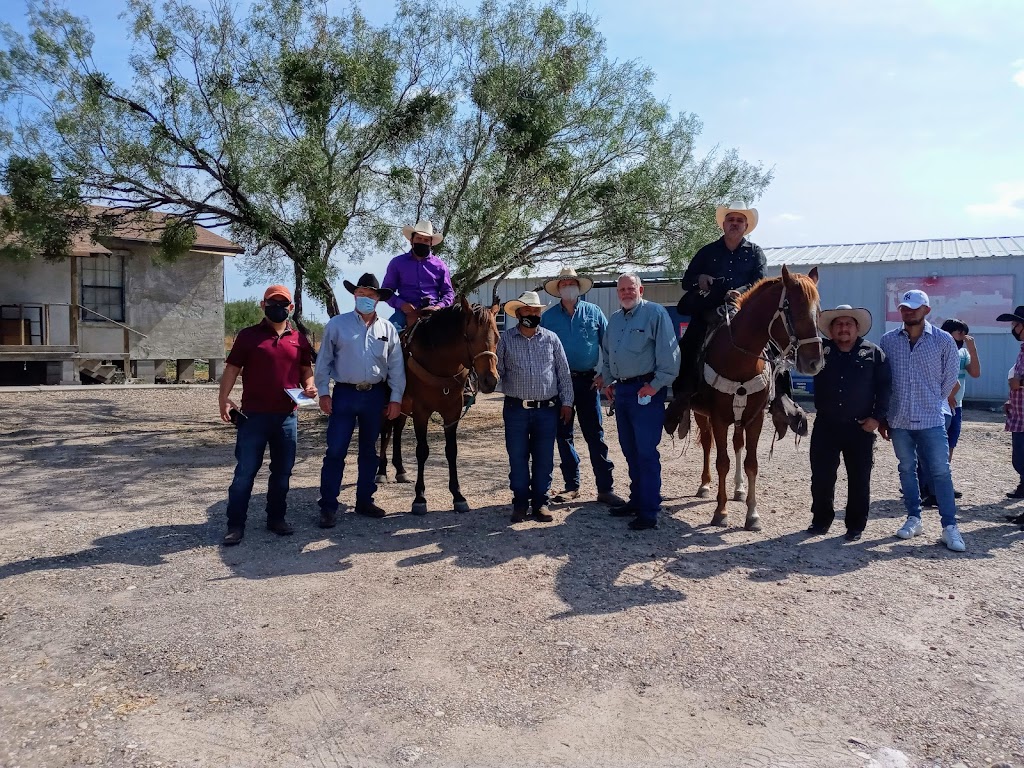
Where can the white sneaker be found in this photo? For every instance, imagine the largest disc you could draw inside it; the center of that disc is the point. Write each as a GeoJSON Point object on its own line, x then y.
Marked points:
{"type": "Point", "coordinates": [952, 539]}
{"type": "Point", "coordinates": [911, 528]}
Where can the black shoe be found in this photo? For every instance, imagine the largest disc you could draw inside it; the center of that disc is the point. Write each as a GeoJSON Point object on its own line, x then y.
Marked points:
{"type": "Point", "coordinates": [280, 527]}
{"type": "Point", "coordinates": [328, 520]}
{"type": "Point", "coordinates": [369, 510]}
{"type": "Point", "coordinates": [643, 524]}
{"type": "Point", "coordinates": [543, 514]}
{"type": "Point", "coordinates": [817, 530]}
{"type": "Point", "coordinates": [233, 537]}
{"type": "Point", "coordinates": [1018, 519]}
{"type": "Point", "coordinates": [519, 514]}
{"type": "Point", "coordinates": [853, 535]}
{"type": "Point", "coordinates": [626, 510]}
{"type": "Point", "coordinates": [1016, 493]}
{"type": "Point", "coordinates": [929, 502]}
{"type": "Point", "coordinates": [957, 495]}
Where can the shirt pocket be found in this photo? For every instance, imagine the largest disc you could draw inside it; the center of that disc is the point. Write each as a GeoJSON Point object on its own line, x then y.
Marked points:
{"type": "Point", "coordinates": [636, 341]}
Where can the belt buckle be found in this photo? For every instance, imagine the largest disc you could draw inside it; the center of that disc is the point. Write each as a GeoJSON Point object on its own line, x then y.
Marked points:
{"type": "Point", "coordinates": [364, 387]}
{"type": "Point", "coordinates": [531, 404]}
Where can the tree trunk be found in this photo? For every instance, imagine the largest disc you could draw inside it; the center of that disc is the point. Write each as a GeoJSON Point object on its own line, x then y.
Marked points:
{"type": "Point", "coordinates": [330, 300]}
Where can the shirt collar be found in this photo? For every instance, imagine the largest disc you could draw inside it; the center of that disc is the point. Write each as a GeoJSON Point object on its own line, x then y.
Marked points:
{"type": "Point", "coordinates": [265, 325]}
{"type": "Point", "coordinates": [928, 327]}
{"type": "Point", "coordinates": [639, 303]}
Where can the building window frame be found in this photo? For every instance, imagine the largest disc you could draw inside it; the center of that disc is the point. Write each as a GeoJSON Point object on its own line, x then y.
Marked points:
{"type": "Point", "coordinates": [101, 278]}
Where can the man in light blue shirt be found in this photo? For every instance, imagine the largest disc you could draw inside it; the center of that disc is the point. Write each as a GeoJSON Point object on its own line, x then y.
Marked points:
{"type": "Point", "coordinates": [580, 326]}
{"type": "Point", "coordinates": [925, 364]}
{"type": "Point", "coordinates": [640, 359]}
{"type": "Point", "coordinates": [363, 355]}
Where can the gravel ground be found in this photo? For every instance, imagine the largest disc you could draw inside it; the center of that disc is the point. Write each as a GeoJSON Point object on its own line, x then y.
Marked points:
{"type": "Point", "coordinates": [128, 637]}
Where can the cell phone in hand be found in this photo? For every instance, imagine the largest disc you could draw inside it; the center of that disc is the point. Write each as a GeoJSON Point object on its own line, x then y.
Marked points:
{"type": "Point", "coordinates": [236, 416]}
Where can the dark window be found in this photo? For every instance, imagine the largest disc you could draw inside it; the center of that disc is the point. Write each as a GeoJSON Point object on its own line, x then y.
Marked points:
{"type": "Point", "coordinates": [103, 287]}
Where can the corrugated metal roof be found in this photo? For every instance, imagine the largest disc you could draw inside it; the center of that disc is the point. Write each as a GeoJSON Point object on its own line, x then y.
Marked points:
{"type": "Point", "coordinates": [905, 250]}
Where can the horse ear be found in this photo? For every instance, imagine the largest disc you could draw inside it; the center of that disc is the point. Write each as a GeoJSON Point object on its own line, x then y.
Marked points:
{"type": "Point", "coordinates": [465, 305]}
{"type": "Point", "coordinates": [785, 275]}
{"type": "Point", "coordinates": [495, 304]}
{"type": "Point", "coordinates": [813, 274]}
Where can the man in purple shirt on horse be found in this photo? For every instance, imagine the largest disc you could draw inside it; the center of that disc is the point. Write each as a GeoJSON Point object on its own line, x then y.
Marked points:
{"type": "Point", "coordinates": [419, 280]}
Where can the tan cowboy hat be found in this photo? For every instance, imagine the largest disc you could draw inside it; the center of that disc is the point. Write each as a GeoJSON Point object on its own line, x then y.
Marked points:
{"type": "Point", "coordinates": [422, 227]}
{"type": "Point", "coordinates": [528, 299]}
{"type": "Point", "coordinates": [737, 207]}
{"type": "Point", "coordinates": [567, 273]}
{"type": "Point", "coordinates": [860, 316]}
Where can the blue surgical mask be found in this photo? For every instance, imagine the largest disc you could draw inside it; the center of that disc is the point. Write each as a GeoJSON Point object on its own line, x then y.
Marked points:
{"type": "Point", "coordinates": [365, 305]}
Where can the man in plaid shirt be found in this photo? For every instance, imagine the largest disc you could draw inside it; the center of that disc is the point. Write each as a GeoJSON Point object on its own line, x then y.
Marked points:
{"type": "Point", "coordinates": [1014, 406]}
{"type": "Point", "coordinates": [925, 364]}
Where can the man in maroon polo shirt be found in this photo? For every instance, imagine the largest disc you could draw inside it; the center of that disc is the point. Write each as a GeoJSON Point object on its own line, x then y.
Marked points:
{"type": "Point", "coordinates": [271, 357]}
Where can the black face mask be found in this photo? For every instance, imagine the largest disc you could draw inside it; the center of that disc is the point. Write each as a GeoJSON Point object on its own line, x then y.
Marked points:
{"type": "Point", "coordinates": [529, 321]}
{"type": "Point", "coordinates": [1017, 334]}
{"type": "Point", "coordinates": [276, 313]}
{"type": "Point", "coordinates": [421, 249]}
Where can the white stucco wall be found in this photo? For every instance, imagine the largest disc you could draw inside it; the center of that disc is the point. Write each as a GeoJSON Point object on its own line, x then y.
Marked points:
{"type": "Point", "coordinates": [40, 282]}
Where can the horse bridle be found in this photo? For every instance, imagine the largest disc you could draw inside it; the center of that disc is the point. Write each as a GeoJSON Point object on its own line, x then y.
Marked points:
{"type": "Point", "coordinates": [785, 314]}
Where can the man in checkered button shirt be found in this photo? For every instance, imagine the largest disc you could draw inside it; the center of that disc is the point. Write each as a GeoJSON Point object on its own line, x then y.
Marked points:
{"type": "Point", "coordinates": [925, 364]}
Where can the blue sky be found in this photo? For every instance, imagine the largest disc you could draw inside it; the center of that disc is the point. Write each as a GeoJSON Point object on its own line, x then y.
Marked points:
{"type": "Point", "coordinates": [882, 120]}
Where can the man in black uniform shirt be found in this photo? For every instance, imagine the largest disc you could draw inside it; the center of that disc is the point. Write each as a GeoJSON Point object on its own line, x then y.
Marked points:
{"type": "Point", "coordinates": [851, 395]}
{"type": "Point", "coordinates": [716, 276]}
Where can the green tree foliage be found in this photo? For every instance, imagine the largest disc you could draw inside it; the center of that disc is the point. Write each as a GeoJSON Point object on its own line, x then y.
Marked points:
{"type": "Point", "coordinates": [241, 314]}
{"type": "Point", "coordinates": [312, 137]}
{"type": "Point", "coordinates": [559, 155]}
{"type": "Point", "coordinates": [278, 125]}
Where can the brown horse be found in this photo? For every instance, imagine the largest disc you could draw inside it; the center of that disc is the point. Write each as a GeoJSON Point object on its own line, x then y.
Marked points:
{"type": "Point", "coordinates": [737, 378]}
{"type": "Point", "coordinates": [441, 353]}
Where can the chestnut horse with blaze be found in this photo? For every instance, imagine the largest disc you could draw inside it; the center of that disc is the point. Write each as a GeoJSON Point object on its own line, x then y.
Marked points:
{"type": "Point", "coordinates": [737, 378]}
{"type": "Point", "coordinates": [441, 352]}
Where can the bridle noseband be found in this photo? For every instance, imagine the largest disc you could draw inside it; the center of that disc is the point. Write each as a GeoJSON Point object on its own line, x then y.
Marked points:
{"type": "Point", "coordinates": [785, 313]}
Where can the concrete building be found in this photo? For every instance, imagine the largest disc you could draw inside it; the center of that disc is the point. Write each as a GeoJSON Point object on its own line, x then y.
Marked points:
{"type": "Point", "coordinates": [974, 279]}
{"type": "Point", "coordinates": [110, 308]}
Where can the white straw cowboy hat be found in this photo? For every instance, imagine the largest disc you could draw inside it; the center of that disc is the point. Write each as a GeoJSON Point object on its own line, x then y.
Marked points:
{"type": "Point", "coordinates": [423, 227]}
{"type": "Point", "coordinates": [567, 273]}
{"type": "Point", "coordinates": [860, 316]}
{"type": "Point", "coordinates": [528, 299]}
{"type": "Point", "coordinates": [737, 207]}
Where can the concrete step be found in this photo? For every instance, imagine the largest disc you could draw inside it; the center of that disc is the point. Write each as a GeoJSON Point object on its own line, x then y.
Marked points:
{"type": "Point", "coordinates": [98, 370]}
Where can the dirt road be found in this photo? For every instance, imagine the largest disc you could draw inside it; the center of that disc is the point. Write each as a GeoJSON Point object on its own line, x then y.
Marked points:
{"type": "Point", "coordinates": [128, 637]}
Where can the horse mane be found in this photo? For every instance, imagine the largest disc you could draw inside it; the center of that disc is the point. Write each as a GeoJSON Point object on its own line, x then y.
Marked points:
{"type": "Point", "coordinates": [765, 283]}
{"type": "Point", "coordinates": [445, 325]}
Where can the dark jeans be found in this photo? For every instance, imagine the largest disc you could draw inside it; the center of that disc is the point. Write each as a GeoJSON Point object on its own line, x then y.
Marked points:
{"type": "Point", "coordinates": [829, 442]}
{"type": "Point", "coordinates": [954, 426]}
{"type": "Point", "coordinates": [530, 435]}
{"type": "Point", "coordinates": [1017, 446]}
{"type": "Point", "coordinates": [689, 350]}
{"type": "Point", "coordinates": [349, 408]}
{"type": "Point", "coordinates": [588, 411]}
{"type": "Point", "coordinates": [639, 434]}
{"type": "Point", "coordinates": [280, 432]}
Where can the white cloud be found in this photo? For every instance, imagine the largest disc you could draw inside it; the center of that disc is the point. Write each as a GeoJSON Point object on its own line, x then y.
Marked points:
{"type": "Point", "coordinates": [790, 217]}
{"type": "Point", "coordinates": [1008, 203]}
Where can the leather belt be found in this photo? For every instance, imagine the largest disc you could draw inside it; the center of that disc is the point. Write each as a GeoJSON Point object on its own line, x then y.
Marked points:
{"type": "Point", "coordinates": [362, 386]}
{"type": "Point", "coordinates": [583, 374]}
{"type": "Point", "coordinates": [643, 378]}
{"type": "Point", "coordinates": [532, 403]}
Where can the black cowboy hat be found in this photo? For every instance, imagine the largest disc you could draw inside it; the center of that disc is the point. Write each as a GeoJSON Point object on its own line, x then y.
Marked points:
{"type": "Point", "coordinates": [1017, 316]}
{"type": "Point", "coordinates": [369, 281]}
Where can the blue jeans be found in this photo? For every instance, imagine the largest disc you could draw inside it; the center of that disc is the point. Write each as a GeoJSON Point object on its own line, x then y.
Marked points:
{"type": "Point", "coordinates": [954, 426]}
{"type": "Point", "coordinates": [588, 411]}
{"type": "Point", "coordinates": [924, 474]}
{"type": "Point", "coordinates": [530, 434]}
{"type": "Point", "coordinates": [639, 434]}
{"type": "Point", "coordinates": [1017, 448]}
{"type": "Point", "coordinates": [398, 319]}
{"type": "Point", "coordinates": [349, 408]}
{"type": "Point", "coordinates": [280, 432]}
{"type": "Point", "coordinates": [935, 450]}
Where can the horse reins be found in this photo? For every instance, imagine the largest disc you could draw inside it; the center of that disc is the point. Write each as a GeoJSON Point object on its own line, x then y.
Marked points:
{"type": "Point", "coordinates": [785, 314]}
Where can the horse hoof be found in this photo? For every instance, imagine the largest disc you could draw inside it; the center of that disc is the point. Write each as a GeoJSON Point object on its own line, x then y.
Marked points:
{"type": "Point", "coordinates": [703, 492]}
{"type": "Point", "coordinates": [462, 506]}
{"type": "Point", "coordinates": [753, 525]}
{"type": "Point", "coordinates": [419, 508]}
{"type": "Point", "coordinates": [401, 477]}
{"type": "Point", "coordinates": [739, 496]}
{"type": "Point", "coordinates": [380, 479]}
{"type": "Point", "coordinates": [720, 520]}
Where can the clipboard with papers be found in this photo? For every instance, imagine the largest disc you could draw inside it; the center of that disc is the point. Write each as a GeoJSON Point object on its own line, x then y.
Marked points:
{"type": "Point", "coordinates": [300, 399]}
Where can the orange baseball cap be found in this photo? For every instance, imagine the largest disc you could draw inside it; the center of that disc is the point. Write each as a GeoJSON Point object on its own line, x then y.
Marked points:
{"type": "Point", "coordinates": [279, 292]}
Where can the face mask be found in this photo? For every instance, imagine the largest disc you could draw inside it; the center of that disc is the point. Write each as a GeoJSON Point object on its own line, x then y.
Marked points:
{"type": "Point", "coordinates": [421, 249]}
{"type": "Point", "coordinates": [365, 305]}
{"type": "Point", "coordinates": [529, 321]}
{"type": "Point", "coordinates": [276, 313]}
{"type": "Point", "coordinates": [1017, 334]}
{"type": "Point", "coordinates": [569, 292]}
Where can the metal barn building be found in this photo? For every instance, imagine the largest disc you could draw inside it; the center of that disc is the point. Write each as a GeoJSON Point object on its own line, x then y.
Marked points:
{"type": "Point", "coordinates": [973, 279]}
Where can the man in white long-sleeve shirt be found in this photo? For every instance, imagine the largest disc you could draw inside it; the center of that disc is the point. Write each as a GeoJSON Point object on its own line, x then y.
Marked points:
{"type": "Point", "coordinates": [363, 355]}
